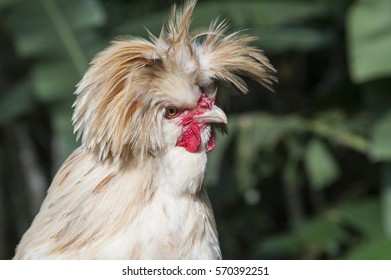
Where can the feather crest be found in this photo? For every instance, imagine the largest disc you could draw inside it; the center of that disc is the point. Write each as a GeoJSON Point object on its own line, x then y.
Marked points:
{"type": "Point", "coordinates": [117, 94]}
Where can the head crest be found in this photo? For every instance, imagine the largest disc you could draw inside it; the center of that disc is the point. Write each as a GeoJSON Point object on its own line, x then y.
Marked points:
{"type": "Point", "coordinates": [118, 104]}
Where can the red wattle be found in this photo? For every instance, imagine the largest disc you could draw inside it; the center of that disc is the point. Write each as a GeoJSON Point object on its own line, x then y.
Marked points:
{"type": "Point", "coordinates": [211, 144]}
{"type": "Point", "coordinates": [191, 138]}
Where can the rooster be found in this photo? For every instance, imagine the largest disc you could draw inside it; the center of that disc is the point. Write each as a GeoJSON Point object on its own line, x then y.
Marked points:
{"type": "Point", "coordinates": [144, 111]}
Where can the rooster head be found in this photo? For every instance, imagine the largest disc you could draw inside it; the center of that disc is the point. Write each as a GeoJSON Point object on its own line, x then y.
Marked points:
{"type": "Point", "coordinates": [141, 97]}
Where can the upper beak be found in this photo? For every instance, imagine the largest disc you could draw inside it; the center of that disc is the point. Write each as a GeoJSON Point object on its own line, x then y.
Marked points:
{"type": "Point", "coordinates": [214, 115]}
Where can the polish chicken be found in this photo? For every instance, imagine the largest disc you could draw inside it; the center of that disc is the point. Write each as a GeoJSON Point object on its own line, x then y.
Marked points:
{"type": "Point", "coordinates": [144, 112]}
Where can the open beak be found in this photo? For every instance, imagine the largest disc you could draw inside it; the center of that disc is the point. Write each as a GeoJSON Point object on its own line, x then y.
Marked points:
{"type": "Point", "coordinates": [214, 115]}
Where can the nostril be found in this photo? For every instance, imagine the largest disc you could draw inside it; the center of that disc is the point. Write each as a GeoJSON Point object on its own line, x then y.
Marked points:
{"type": "Point", "coordinates": [204, 105]}
{"type": "Point", "coordinates": [205, 102]}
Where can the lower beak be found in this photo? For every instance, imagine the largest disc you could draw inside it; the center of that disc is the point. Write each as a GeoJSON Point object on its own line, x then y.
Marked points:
{"type": "Point", "coordinates": [214, 115]}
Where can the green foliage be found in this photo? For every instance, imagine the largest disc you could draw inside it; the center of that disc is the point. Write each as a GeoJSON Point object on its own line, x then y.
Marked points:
{"type": "Point", "coordinates": [363, 216]}
{"type": "Point", "coordinates": [386, 198]}
{"type": "Point", "coordinates": [59, 38]}
{"type": "Point", "coordinates": [320, 165]}
{"type": "Point", "coordinates": [273, 21]}
{"type": "Point", "coordinates": [378, 249]}
{"type": "Point", "coordinates": [369, 37]}
{"type": "Point", "coordinates": [349, 227]}
{"type": "Point", "coordinates": [16, 102]}
{"type": "Point", "coordinates": [261, 133]}
{"type": "Point", "coordinates": [379, 100]}
{"type": "Point", "coordinates": [370, 42]}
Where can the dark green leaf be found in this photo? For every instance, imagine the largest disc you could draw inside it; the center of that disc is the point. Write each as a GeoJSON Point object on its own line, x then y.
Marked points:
{"type": "Point", "coordinates": [375, 249]}
{"type": "Point", "coordinates": [84, 14]}
{"type": "Point", "coordinates": [380, 148]}
{"type": "Point", "coordinates": [278, 40]}
{"type": "Point", "coordinates": [364, 216]}
{"type": "Point", "coordinates": [15, 102]}
{"type": "Point", "coordinates": [215, 158]}
{"type": "Point", "coordinates": [268, 18]}
{"type": "Point", "coordinates": [54, 81]}
{"type": "Point", "coordinates": [246, 153]}
{"type": "Point", "coordinates": [385, 197]}
{"type": "Point", "coordinates": [280, 246]}
{"type": "Point", "coordinates": [320, 165]}
{"type": "Point", "coordinates": [369, 30]}
{"type": "Point", "coordinates": [322, 232]}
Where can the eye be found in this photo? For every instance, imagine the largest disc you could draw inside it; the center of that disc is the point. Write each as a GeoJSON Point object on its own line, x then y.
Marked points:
{"type": "Point", "coordinates": [171, 112]}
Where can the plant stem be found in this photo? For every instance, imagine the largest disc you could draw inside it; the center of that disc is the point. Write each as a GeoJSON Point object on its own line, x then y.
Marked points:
{"type": "Point", "coordinates": [67, 35]}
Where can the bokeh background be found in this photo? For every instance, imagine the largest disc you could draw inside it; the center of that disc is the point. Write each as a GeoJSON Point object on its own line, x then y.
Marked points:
{"type": "Point", "coordinates": [304, 173]}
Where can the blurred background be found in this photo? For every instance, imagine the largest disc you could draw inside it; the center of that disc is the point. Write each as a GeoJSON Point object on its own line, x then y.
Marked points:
{"type": "Point", "coordinates": [304, 173]}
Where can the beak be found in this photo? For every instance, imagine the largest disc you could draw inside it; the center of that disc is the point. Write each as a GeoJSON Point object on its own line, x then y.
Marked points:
{"type": "Point", "coordinates": [214, 115]}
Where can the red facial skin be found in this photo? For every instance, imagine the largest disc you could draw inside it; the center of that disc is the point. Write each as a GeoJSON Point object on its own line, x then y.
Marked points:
{"type": "Point", "coordinates": [191, 136]}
